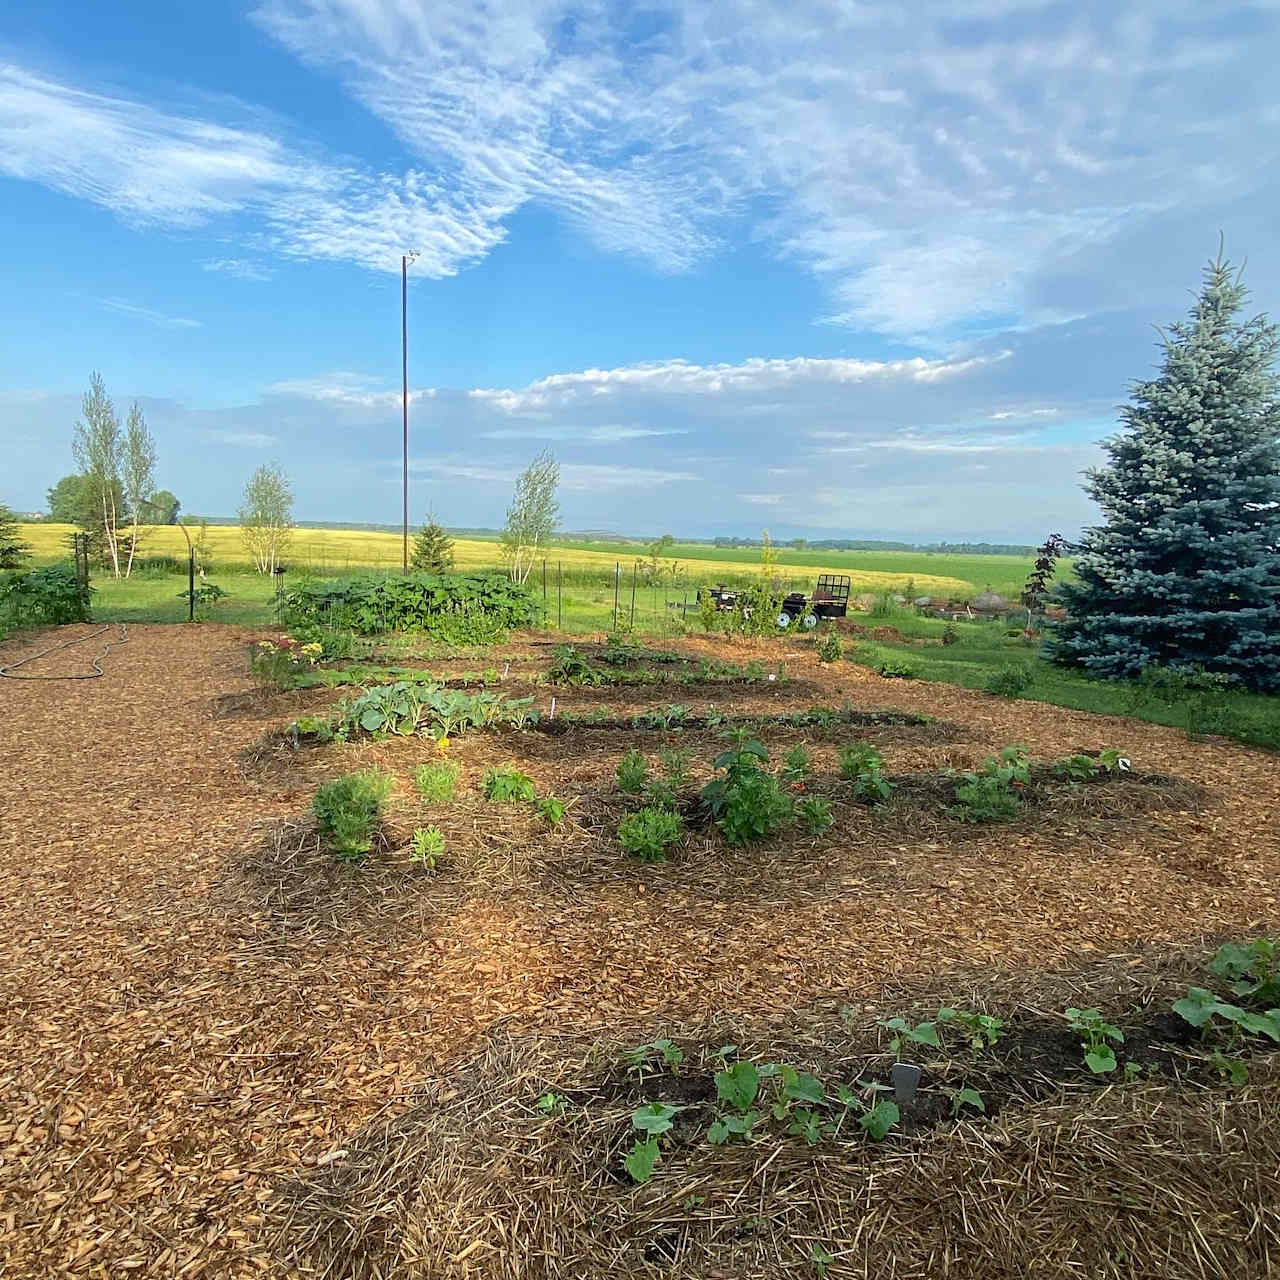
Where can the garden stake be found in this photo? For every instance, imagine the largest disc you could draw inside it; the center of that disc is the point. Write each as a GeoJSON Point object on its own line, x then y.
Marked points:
{"type": "Point", "coordinates": [905, 1077]}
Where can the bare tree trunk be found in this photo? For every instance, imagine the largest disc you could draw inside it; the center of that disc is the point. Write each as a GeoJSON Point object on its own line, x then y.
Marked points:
{"type": "Point", "coordinates": [109, 532]}
{"type": "Point", "coordinates": [133, 546]}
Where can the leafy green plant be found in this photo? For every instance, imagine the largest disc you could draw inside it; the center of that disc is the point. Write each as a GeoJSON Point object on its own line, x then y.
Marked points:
{"type": "Point", "coordinates": [386, 708]}
{"type": "Point", "coordinates": [755, 807]}
{"type": "Point", "coordinates": [509, 786]}
{"type": "Point", "coordinates": [427, 847]}
{"type": "Point", "coordinates": [1113, 761]}
{"type": "Point", "coordinates": [871, 787]}
{"type": "Point", "coordinates": [654, 1118]}
{"type": "Point", "coordinates": [1010, 681]}
{"type": "Point", "coordinates": [1096, 1038]}
{"type": "Point", "coordinates": [642, 1159]}
{"type": "Point", "coordinates": [633, 773]}
{"type": "Point", "coordinates": [897, 669]}
{"type": "Point", "coordinates": [647, 834]}
{"type": "Point", "coordinates": [1076, 768]}
{"type": "Point", "coordinates": [983, 798]}
{"type": "Point", "coordinates": [642, 1057]}
{"type": "Point", "coordinates": [570, 667]}
{"type": "Point", "coordinates": [982, 1030]}
{"type": "Point", "coordinates": [551, 810]}
{"type": "Point", "coordinates": [207, 595]}
{"type": "Point", "coordinates": [858, 759]}
{"type": "Point", "coordinates": [878, 1120]}
{"type": "Point", "coordinates": [795, 764]}
{"type": "Point", "coordinates": [1200, 1007]}
{"type": "Point", "coordinates": [814, 814]}
{"type": "Point", "coordinates": [905, 1033]}
{"type": "Point", "coordinates": [738, 1086]}
{"type": "Point", "coordinates": [820, 1259]}
{"type": "Point", "coordinates": [675, 763]}
{"type": "Point", "coordinates": [829, 648]}
{"type": "Point", "coordinates": [1011, 765]}
{"type": "Point", "coordinates": [550, 1104]}
{"type": "Point", "coordinates": [347, 811]}
{"type": "Point", "coordinates": [437, 780]}
{"type": "Point", "coordinates": [1252, 968]}
{"type": "Point", "coordinates": [966, 1097]}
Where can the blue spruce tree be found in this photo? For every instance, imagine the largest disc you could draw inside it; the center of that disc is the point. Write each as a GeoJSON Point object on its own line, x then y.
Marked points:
{"type": "Point", "coordinates": [1185, 572]}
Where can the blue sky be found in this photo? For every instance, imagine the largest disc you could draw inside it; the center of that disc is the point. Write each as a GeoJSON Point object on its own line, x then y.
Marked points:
{"type": "Point", "coordinates": [843, 269]}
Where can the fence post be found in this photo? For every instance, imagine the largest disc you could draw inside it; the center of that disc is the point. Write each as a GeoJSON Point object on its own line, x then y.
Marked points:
{"type": "Point", "coordinates": [559, 595]}
{"type": "Point", "coordinates": [617, 573]}
{"type": "Point", "coordinates": [191, 585]}
{"type": "Point", "coordinates": [634, 565]}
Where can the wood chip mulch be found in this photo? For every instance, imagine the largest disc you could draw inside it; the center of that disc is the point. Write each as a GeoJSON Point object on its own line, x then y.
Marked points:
{"type": "Point", "coordinates": [195, 1009]}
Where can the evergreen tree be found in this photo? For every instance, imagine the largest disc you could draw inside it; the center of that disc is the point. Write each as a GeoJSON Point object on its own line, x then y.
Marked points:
{"type": "Point", "coordinates": [13, 551]}
{"type": "Point", "coordinates": [432, 549]}
{"type": "Point", "coordinates": [1186, 570]}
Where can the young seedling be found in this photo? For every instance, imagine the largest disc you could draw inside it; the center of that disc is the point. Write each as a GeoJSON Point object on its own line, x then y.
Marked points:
{"type": "Point", "coordinates": [1199, 1007]}
{"type": "Point", "coordinates": [821, 1260]}
{"type": "Point", "coordinates": [437, 781]}
{"type": "Point", "coordinates": [551, 810]}
{"type": "Point", "coordinates": [1252, 968]}
{"type": "Point", "coordinates": [814, 814]}
{"type": "Point", "coordinates": [509, 786]}
{"type": "Point", "coordinates": [427, 847]}
{"type": "Point", "coordinates": [877, 1122]}
{"type": "Point", "coordinates": [966, 1097]}
{"type": "Point", "coordinates": [795, 765]}
{"type": "Point", "coordinates": [654, 1118]}
{"type": "Point", "coordinates": [1096, 1037]}
{"type": "Point", "coordinates": [904, 1033]}
{"type": "Point", "coordinates": [550, 1104]}
{"type": "Point", "coordinates": [642, 1057]}
{"type": "Point", "coordinates": [642, 1159]}
{"type": "Point", "coordinates": [859, 759]}
{"type": "Point", "coordinates": [646, 835]}
{"type": "Point", "coordinates": [982, 1030]}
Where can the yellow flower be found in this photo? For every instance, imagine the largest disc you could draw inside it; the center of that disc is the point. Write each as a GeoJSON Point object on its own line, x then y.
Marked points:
{"type": "Point", "coordinates": [442, 744]}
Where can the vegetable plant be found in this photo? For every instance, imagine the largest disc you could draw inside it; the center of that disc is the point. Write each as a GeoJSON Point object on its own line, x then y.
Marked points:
{"type": "Point", "coordinates": [795, 764]}
{"type": "Point", "coordinates": [860, 758]}
{"type": "Point", "coordinates": [984, 798]}
{"type": "Point", "coordinates": [647, 834]}
{"type": "Point", "coordinates": [551, 810]}
{"type": "Point", "coordinates": [829, 648]}
{"type": "Point", "coordinates": [814, 814]}
{"type": "Point", "coordinates": [905, 1033]}
{"type": "Point", "coordinates": [633, 773]}
{"type": "Point", "coordinates": [1200, 1007]}
{"type": "Point", "coordinates": [508, 786]}
{"type": "Point", "coordinates": [1077, 768]}
{"type": "Point", "coordinates": [347, 811]}
{"type": "Point", "coordinates": [437, 781]}
{"type": "Point", "coordinates": [878, 1120]}
{"type": "Point", "coordinates": [1096, 1038]}
{"type": "Point", "coordinates": [982, 1030]}
{"type": "Point", "coordinates": [427, 847]}
{"type": "Point", "coordinates": [1252, 968]}
{"type": "Point", "coordinates": [966, 1097]}
{"type": "Point", "coordinates": [642, 1056]}
{"type": "Point", "coordinates": [747, 802]}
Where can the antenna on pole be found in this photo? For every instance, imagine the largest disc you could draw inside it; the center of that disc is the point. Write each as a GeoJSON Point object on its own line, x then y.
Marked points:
{"type": "Point", "coordinates": [405, 259]}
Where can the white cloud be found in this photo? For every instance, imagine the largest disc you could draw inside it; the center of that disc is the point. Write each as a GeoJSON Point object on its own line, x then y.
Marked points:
{"type": "Point", "coordinates": [605, 434]}
{"type": "Point", "coordinates": [762, 499]}
{"type": "Point", "coordinates": [239, 268]}
{"type": "Point", "coordinates": [240, 439]}
{"type": "Point", "coordinates": [121, 307]}
{"type": "Point", "coordinates": [354, 390]}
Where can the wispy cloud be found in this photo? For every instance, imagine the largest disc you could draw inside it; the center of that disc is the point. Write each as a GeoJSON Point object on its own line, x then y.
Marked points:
{"type": "Point", "coordinates": [240, 439]}
{"type": "Point", "coordinates": [239, 268]}
{"type": "Point", "coordinates": [121, 307]}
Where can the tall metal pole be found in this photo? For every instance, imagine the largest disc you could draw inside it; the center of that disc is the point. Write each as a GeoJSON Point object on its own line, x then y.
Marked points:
{"type": "Point", "coordinates": [404, 392]}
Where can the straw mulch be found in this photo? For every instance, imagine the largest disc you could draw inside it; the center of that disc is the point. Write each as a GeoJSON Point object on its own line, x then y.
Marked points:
{"type": "Point", "coordinates": [208, 1028]}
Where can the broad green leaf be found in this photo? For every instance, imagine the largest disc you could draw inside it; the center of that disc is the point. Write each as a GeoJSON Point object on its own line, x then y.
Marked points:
{"type": "Point", "coordinates": [1263, 1024]}
{"type": "Point", "coordinates": [967, 1097]}
{"type": "Point", "coordinates": [1100, 1060]}
{"type": "Point", "coordinates": [739, 1085]}
{"type": "Point", "coordinates": [641, 1159]}
{"type": "Point", "coordinates": [879, 1120]}
{"type": "Point", "coordinates": [654, 1117]}
{"type": "Point", "coordinates": [925, 1033]}
{"type": "Point", "coordinates": [802, 1087]}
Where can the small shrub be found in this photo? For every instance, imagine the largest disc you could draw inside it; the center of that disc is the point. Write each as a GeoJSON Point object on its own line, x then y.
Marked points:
{"type": "Point", "coordinates": [427, 847]}
{"type": "Point", "coordinates": [950, 635]}
{"type": "Point", "coordinates": [795, 765]}
{"type": "Point", "coordinates": [570, 667]}
{"type": "Point", "coordinates": [509, 786]}
{"type": "Point", "coordinates": [814, 814]}
{"type": "Point", "coordinates": [897, 669]}
{"type": "Point", "coordinates": [982, 798]}
{"type": "Point", "coordinates": [633, 773]}
{"type": "Point", "coordinates": [829, 648]}
{"type": "Point", "coordinates": [347, 811]}
{"type": "Point", "coordinates": [859, 759]}
{"type": "Point", "coordinates": [755, 807]}
{"type": "Point", "coordinates": [647, 834]}
{"type": "Point", "coordinates": [551, 810]}
{"type": "Point", "coordinates": [437, 781]}
{"type": "Point", "coordinates": [1011, 681]}
{"type": "Point", "coordinates": [207, 595]}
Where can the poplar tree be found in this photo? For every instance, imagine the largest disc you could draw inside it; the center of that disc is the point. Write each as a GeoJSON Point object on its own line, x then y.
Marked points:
{"type": "Point", "coordinates": [1185, 570]}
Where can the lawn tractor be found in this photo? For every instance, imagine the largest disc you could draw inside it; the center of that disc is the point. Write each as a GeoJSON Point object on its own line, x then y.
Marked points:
{"type": "Point", "coordinates": [830, 599]}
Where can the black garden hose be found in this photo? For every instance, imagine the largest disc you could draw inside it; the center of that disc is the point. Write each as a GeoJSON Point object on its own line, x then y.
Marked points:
{"type": "Point", "coordinates": [7, 672]}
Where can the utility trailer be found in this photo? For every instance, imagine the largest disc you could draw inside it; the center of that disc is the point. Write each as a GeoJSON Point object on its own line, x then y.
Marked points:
{"type": "Point", "coordinates": [830, 599]}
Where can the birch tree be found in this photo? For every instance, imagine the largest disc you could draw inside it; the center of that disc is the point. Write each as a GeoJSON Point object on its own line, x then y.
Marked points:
{"type": "Point", "coordinates": [532, 515]}
{"type": "Point", "coordinates": [97, 448]}
{"type": "Point", "coordinates": [266, 516]}
{"type": "Point", "coordinates": [138, 475]}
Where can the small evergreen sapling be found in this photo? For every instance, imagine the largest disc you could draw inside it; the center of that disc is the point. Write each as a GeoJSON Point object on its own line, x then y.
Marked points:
{"type": "Point", "coordinates": [432, 549]}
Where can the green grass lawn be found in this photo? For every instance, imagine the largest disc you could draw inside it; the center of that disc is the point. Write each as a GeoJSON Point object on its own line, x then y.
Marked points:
{"type": "Point", "coordinates": [982, 649]}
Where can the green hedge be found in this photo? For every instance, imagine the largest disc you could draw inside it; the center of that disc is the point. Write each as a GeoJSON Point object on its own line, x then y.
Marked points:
{"type": "Point", "coordinates": [464, 608]}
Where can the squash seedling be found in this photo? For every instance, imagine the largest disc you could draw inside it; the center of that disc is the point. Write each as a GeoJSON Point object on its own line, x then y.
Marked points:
{"type": "Point", "coordinates": [1096, 1037]}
